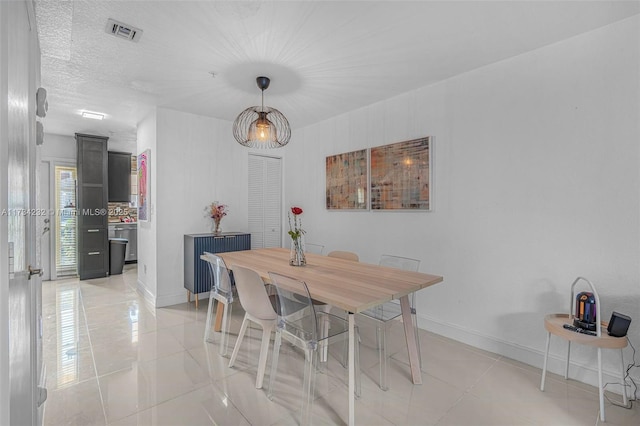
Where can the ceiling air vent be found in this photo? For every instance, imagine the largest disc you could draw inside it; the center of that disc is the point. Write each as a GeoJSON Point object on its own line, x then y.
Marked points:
{"type": "Point", "coordinates": [118, 29]}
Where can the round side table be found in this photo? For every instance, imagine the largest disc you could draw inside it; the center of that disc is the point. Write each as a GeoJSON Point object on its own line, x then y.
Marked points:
{"type": "Point", "coordinates": [554, 323]}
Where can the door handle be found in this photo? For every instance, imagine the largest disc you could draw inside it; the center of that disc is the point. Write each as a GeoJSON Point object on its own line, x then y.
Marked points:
{"type": "Point", "coordinates": [37, 271]}
{"type": "Point", "coordinates": [42, 395]}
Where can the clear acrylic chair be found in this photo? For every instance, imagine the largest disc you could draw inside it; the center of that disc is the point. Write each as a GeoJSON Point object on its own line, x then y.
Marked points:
{"type": "Point", "coordinates": [306, 329]}
{"type": "Point", "coordinates": [313, 248]}
{"type": "Point", "coordinates": [339, 254]}
{"type": "Point", "coordinates": [388, 311]}
{"type": "Point", "coordinates": [222, 291]}
{"type": "Point", "coordinates": [258, 309]}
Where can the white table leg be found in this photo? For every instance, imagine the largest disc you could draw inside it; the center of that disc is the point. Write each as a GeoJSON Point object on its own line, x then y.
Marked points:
{"type": "Point", "coordinates": [352, 371]}
{"type": "Point", "coordinates": [544, 366]}
{"type": "Point", "coordinates": [600, 388]}
{"type": "Point", "coordinates": [412, 345]}
{"type": "Point", "coordinates": [566, 367]}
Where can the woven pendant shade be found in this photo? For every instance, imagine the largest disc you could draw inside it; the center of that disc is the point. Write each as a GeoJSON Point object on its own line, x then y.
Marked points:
{"type": "Point", "coordinates": [261, 126]}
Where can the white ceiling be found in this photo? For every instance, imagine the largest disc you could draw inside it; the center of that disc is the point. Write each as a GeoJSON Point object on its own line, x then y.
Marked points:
{"type": "Point", "coordinates": [324, 58]}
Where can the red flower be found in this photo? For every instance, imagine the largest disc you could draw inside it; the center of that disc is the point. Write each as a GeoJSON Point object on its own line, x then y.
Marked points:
{"type": "Point", "coordinates": [296, 210]}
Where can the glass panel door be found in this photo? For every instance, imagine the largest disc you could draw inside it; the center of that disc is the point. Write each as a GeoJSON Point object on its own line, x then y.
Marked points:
{"type": "Point", "coordinates": [66, 221]}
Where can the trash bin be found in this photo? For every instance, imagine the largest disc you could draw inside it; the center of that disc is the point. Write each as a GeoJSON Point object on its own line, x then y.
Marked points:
{"type": "Point", "coordinates": [117, 250]}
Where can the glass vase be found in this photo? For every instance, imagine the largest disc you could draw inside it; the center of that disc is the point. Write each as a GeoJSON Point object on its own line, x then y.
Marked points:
{"type": "Point", "coordinates": [216, 227]}
{"type": "Point", "coordinates": [296, 258]}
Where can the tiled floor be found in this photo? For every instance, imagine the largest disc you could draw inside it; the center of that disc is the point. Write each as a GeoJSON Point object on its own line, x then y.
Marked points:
{"type": "Point", "coordinates": [112, 360]}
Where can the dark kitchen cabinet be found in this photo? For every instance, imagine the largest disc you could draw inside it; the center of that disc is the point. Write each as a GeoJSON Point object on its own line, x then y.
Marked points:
{"type": "Point", "coordinates": [119, 176]}
{"type": "Point", "coordinates": [93, 240]}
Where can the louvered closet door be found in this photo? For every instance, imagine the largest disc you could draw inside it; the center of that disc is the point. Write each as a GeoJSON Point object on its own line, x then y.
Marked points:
{"type": "Point", "coordinates": [265, 201]}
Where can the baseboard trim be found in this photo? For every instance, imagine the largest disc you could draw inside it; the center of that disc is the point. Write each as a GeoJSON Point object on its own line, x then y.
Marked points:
{"type": "Point", "coordinates": [168, 299]}
{"type": "Point", "coordinates": [579, 372]}
{"type": "Point", "coordinates": [146, 294]}
{"type": "Point", "coordinates": [177, 298]}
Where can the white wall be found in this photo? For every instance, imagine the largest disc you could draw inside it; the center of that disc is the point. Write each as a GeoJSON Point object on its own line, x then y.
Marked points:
{"type": "Point", "coordinates": [198, 162]}
{"type": "Point", "coordinates": [120, 145]}
{"type": "Point", "coordinates": [536, 182]}
{"type": "Point", "coordinates": [147, 239]}
{"type": "Point", "coordinates": [194, 161]}
{"type": "Point", "coordinates": [59, 147]}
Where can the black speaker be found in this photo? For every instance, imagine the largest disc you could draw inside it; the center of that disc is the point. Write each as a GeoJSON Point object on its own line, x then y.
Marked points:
{"type": "Point", "coordinates": [618, 325]}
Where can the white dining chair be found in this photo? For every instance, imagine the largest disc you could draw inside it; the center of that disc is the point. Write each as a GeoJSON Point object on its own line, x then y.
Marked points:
{"type": "Point", "coordinates": [391, 310]}
{"type": "Point", "coordinates": [307, 332]}
{"type": "Point", "coordinates": [222, 291]}
{"type": "Point", "coordinates": [259, 310]}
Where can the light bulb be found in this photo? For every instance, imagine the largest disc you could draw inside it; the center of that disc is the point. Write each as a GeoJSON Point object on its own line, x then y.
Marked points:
{"type": "Point", "coordinates": [262, 129]}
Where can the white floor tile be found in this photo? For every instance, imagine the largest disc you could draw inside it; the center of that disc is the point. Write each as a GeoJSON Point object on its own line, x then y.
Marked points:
{"type": "Point", "coordinates": [147, 384]}
{"type": "Point", "coordinates": [76, 405]}
{"type": "Point", "coordinates": [204, 406]}
{"type": "Point", "coordinates": [112, 359]}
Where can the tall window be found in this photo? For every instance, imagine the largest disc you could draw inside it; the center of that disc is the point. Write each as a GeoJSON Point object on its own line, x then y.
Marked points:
{"type": "Point", "coordinates": [66, 221]}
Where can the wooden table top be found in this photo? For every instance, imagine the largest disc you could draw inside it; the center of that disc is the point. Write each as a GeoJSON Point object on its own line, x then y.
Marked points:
{"type": "Point", "coordinates": [352, 286]}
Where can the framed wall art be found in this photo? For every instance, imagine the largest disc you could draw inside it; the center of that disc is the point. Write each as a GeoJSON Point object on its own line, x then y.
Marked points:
{"type": "Point", "coordinates": [401, 176]}
{"type": "Point", "coordinates": [347, 181]}
{"type": "Point", "coordinates": [144, 190]}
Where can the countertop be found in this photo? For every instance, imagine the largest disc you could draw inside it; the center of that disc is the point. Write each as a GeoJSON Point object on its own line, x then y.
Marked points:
{"type": "Point", "coordinates": [127, 225]}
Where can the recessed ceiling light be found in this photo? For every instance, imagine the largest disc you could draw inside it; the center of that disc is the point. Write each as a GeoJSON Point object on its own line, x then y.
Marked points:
{"type": "Point", "coordinates": [122, 30]}
{"type": "Point", "coordinates": [92, 115]}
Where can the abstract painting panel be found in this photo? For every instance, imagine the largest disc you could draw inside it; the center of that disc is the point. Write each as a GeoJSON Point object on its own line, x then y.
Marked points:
{"type": "Point", "coordinates": [400, 176]}
{"type": "Point", "coordinates": [144, 179]}
{"type": "Point", "coordinates": [347, 181]}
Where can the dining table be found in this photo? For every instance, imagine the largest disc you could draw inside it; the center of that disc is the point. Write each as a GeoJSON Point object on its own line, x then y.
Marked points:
{"type": "Point", "coordinates": [348, 285]}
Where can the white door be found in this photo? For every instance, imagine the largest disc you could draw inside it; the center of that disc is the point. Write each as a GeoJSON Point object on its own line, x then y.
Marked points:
{"type": "Point", "coordinates": [265, 201]}
{"type": "Point", "coordinates": [18, 122]}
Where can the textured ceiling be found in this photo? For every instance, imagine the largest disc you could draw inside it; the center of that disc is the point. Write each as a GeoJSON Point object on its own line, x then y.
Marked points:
{"type": "Point", "coordinates": [324, 58]}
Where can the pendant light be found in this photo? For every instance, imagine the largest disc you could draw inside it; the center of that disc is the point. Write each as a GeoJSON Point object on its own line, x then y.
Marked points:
{"type": "Point", "coordinates": [261, 126]}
